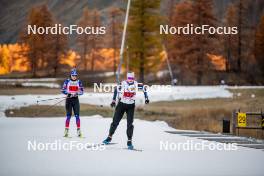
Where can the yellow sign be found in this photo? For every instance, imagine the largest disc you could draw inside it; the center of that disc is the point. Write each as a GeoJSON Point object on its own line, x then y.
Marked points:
{"type": "Point", "coordinates": [242, 119]}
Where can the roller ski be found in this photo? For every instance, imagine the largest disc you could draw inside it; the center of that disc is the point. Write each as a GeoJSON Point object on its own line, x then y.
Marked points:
{"type": "Point", "coordinates": [107, 141]}
{"type": "Point", "coordinates": [131, 147]}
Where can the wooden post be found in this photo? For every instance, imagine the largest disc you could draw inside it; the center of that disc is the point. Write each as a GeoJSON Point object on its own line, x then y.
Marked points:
{"type": "Point", "coordinates": [234, 122]}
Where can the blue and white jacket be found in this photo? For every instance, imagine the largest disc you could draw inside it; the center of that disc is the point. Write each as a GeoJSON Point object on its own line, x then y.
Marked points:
{"type": "Point", "coordinates": [72, 87]}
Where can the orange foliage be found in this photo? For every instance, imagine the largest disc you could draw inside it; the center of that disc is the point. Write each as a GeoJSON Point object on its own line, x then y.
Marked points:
{"type": "Point", "coordinates": [218, 62]}
{"type": "Point", "coordinates": [16, 61]}
{"type": "Point", "coordinates": [70, 58]}
{"type": "Point", "coordinates": [19, 62]}
{"type": "Point", "coordinates": [105, 58]}
{"type": "Point", "coordinates": [108, 58]}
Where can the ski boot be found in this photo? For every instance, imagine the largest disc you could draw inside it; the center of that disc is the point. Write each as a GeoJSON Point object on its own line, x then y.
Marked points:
{"type": "Point", "coordinates": [66, 132]}
{"type": "Point", "coordinates": [107, 140]}
{"type": "Point", "coordinates": [130, 145]}
{"type": "Point", "coordinates": [79, 132]}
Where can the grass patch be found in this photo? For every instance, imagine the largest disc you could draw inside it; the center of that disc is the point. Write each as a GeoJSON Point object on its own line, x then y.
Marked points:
{"type": "Point", "coordinates": [56, 111]}
{"type": "Point", "coordinates": [206, 114]}
{"type": "Point", "coordinates": [13, 90]}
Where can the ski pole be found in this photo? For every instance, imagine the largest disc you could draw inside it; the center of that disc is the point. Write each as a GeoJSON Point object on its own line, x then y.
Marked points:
{"type": "Point", "coordinates": [50, 99]}
{"type": "Point", "coordinates": [123, 43]}
{"type": "Point", "coordinates": [50, 107]}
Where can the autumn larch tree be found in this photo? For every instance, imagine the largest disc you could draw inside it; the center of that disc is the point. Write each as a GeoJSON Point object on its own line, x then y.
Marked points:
{"type": "Point", "coordinates": [95, 40]}
{"type": "Point", "coordinates": [204, 14]}
{"type": "Point", "coordinates": [260, 45]}
{"type": "Point", "coordinates": [90, 44]}
{"type": "Point", "coordinates": [57, 51]}
{"type": "Point", "coordinates": [39, 44]}
{"type": "Point", "coordinates": [231, 41]}
{"type": "Point", "coordinates": [114, 33]}
{"type": "Point", "coordinates": [4, 60]}
{"type": "Point", "coordinates": [242, 24]}
{"type": "Point", "coordinates": [190, 51]}
{"type": "Point", "coordinates": [83, 39]}
{"type": "Point", "coordinates": [143, 38]}
{"type": "Point", "coordinates": [168, 39]}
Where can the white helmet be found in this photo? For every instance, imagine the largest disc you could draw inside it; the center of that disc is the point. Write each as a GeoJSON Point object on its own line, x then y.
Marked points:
{"type": "Point", "coordinates": [130, 75]}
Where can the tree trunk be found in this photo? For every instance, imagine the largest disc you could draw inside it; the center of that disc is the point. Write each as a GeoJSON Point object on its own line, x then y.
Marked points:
{"type": "Point", "coordinates": [92, 61]}
{"type": "Point", "coordinates": [33, 64]}
{"type": "Point", "coordinates": [199, 77]}
{"type": "Point", "coordinates": [56, 57]}
{"type": "Point", "coordinates": [239, 37]}
{"type": "Point", "coordinates": [141, 67]}
{"type": "Point", "coordinates": [84, 56]}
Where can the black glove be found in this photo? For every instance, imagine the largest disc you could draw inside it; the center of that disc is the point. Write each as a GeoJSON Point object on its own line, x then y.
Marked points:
{"type": "Point", "coordinates": [113, 104]}
{"type": "Point", "coordinates": [147, 101]}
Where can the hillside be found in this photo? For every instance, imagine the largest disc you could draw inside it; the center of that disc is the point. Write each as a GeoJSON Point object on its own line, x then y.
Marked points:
{"type": "Point", "coordinates": [13, 13]}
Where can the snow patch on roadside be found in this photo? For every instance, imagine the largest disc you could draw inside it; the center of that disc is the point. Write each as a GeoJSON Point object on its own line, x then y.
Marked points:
{"type": "Point", "coordinates": [49, 85]}
{"type": "Point", "coordinates": [103, 99]}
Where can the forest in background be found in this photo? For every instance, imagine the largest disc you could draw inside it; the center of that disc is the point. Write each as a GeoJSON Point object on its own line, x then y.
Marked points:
{"type": "Point", "coordinates": [194, 59]}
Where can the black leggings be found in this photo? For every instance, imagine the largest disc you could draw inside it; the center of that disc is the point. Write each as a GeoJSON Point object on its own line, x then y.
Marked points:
{"type": "Point", "coordinates": [72, 104]}
{"type": "Point", "coordinates": [121, 108]}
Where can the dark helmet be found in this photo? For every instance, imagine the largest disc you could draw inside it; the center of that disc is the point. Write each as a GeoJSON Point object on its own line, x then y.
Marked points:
{"type": "Point", "coordinates": [74, 72]}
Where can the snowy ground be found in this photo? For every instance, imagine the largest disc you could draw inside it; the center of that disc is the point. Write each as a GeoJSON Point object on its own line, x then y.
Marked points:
{"type": "Point", "coordinates": [16, 159]}
{"type": "Point", "coordinates": [15, 133]}
{"type": "Point", "coordinates": [33, 82]}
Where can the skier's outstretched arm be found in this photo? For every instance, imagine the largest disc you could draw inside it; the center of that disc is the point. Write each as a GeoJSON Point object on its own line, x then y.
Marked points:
{"type": "Point", "coordinates": [64, 87]}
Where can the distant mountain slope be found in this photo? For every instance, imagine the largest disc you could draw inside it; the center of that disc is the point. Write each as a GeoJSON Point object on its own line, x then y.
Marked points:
{"type": "Point", "coordinates": [14, 12]}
